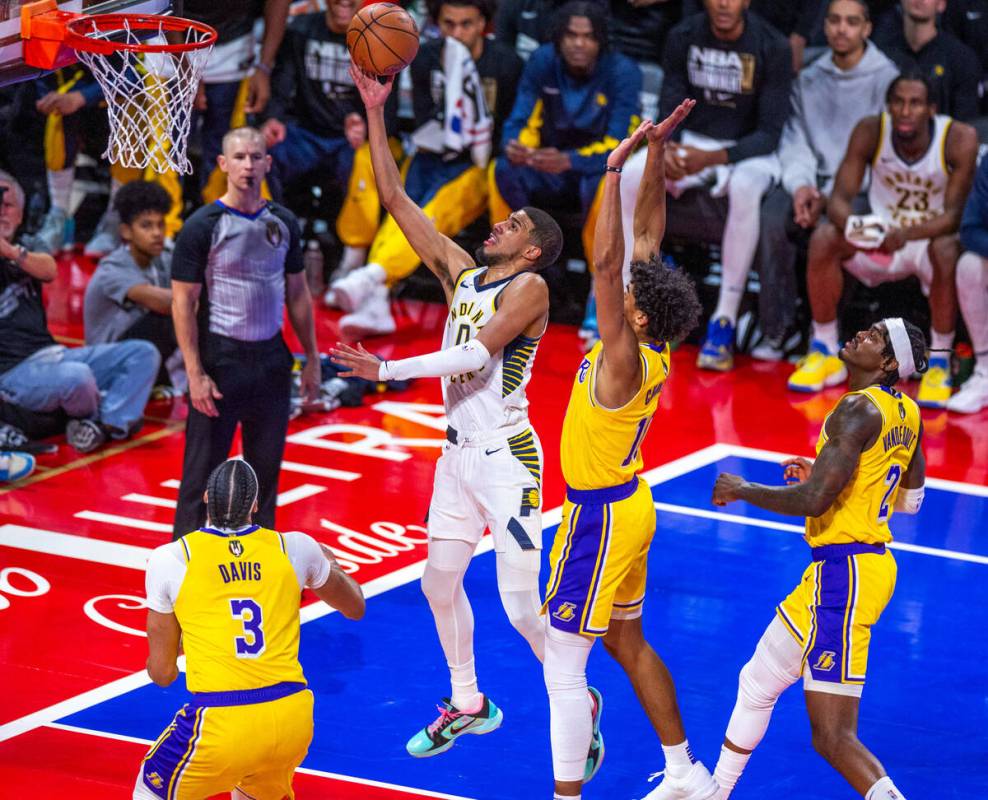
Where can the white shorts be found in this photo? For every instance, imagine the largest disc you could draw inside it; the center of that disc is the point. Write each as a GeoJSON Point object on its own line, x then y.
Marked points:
{"type": "Point", "coordinates": [873, 268]}
{"type": "Point", "coordinates": [491, 481]}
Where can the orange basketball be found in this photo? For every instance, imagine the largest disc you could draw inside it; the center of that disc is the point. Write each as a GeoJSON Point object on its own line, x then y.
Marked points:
{"type": "Point", "coordinates": [382, 39]}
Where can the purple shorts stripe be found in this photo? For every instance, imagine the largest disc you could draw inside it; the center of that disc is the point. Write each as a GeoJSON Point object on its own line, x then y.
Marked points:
{"type": "Point", "coordinates": [577, 568]}
{"type": "Point", "coordinates": [164, 762]}
{"type": "Point", "coordinates": [826, 657]}
{"type": "Point", "coordinates": [574, 518]}
{"type": "Point", "coordinates": [602, 551]}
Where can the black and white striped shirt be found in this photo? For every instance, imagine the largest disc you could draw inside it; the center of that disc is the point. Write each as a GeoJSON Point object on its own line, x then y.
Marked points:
{"type": "Point", "coordinates": [241, 260]}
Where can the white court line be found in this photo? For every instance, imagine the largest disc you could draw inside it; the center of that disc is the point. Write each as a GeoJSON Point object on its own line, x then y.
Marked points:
{"type": "Point", "coordinates": [127, 522]}
{"type": "Point", "coordinates": [319, 472]}
{"type": "Point", "coordinates": [299, 493]}
{"type": "Point", "coordinates": [81, 547]}
{"type": "Point", "coordinates": [318, 773]}
{"type": "Point", "coordinates": [150, 500]}
{"type": "Point", "coordinates": [754, 522]}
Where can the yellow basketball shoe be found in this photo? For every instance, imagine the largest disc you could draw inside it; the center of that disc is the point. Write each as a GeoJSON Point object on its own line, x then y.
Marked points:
{"type": "Point", "coordinates": [817, 369]}
{"type": "Point", "coordinates": [935, 388]}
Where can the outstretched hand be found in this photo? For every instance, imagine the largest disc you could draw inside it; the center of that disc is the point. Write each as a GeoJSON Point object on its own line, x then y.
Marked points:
{"type": "Point", "coordinates": [620, 153]}
{"type": "Point", "coordinates": [660, 132]}
{"type": "Point", "coordinates": [372, 92]}
{"type": "Point", "coordinates": [359, 362]}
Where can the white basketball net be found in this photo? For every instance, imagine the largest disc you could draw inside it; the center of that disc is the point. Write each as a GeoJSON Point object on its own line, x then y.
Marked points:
{"type": "Point", "coordinates": [149, 97]}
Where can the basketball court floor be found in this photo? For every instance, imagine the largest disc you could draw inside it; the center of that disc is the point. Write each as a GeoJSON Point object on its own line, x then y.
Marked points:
{"type": "Point", "coordinates": [77, 709]}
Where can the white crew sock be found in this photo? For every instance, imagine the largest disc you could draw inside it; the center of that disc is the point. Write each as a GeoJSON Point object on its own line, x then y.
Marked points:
{"type": "Point", "coordinates": [377, 272]}
{"type": "Point", "coordinates": [939, 342]}
{"type": "Point", "coordinates": [352, 258]}
{"type": "Point", "coordinates": [972, 295]}
{"type": "Point", "coordinates": [557, 796]}
{"type": "Point", "coordinates": [730, 765]}
{"type": "Point", "coordinates": [679, 758]}
{"type": "Point", "coordinates": [60, 187]}
{"type": "Point", "coordinates": [826, 334]}
{"type": "Point", "coordinates": [884, 789]}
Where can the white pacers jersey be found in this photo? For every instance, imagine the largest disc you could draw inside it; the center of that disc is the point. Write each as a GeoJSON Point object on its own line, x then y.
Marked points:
{"type": "Point", "coordinates": [906, 194]}
{"type": "Point", "coordinates": [493, 397]}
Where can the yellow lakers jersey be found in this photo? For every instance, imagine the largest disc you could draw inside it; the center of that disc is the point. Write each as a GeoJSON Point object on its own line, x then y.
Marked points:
{"type": "Point", "coordinates": [238, 607]}
{"type": "Point", "coordinates": [601, 446]}
{"type": "Point", "coordinates": [862, 510]}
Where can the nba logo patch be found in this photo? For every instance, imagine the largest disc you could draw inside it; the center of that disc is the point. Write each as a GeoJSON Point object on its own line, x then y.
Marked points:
{"type": "Point", "coordinates": [236, 548]}
{"type": "Point", "coordinates": [826, 661]}
{"type": "Point", "coordinates": [566, 612]}
{"type": "Point", "coordinates": [272, 232]}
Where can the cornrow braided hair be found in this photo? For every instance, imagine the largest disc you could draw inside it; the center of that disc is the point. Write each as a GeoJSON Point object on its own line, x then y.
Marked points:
{"type": "Point", "coordinates": [230, 494]}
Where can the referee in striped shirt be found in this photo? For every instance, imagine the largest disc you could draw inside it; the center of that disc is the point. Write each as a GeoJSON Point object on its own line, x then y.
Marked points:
{"type": "Point", "coordinates": [237, 264]}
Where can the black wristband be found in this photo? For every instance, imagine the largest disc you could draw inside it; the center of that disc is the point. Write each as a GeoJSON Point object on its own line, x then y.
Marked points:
{"type": "Point", "coordinates": [609, 168]}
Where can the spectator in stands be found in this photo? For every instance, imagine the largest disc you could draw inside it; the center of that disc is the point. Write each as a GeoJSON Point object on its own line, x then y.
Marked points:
{"type": "Point", "coordinates": [129, 295]}
{"type": "Point", "coordinates": [972, 291]}
{"type": "Point", "coordinates": [454, 102]}
{"type": "Point", "coordinates": [312, 89]}
{"type": "Point", "coordinates": [102, 388]}
{"type": "Point", "coordinates": [922, 164]}
{"type": "Point", "coordinates": [910, 37]}
{"type": "Point", "coordinates": [234, 83]}
{"type": "Point", "coordinates": [829, 97]}
{"type": "Point", "coordinates": [739, 70]}
{"type": "Point", "coordinates": [576, 101]}
{"type": "Point", "coordinates": [794, 19]}
{"type": "Point", "coordinates": [526, 25]}
{"type": "Point", "coordinates": [968, 21]}
{"type": "Point", "coordinates": [236, 269]}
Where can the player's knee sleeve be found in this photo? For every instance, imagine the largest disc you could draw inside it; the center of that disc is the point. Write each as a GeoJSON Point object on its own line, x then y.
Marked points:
{"type": "Point", "coordinates": [518, 585]}
{"type": "Point", "coordinates": [571, 726]}
{"type": "Point", "coordinates": [445, 567]}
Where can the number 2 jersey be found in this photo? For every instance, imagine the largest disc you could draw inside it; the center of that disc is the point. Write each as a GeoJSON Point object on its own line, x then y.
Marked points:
{"type": "Point", "coordinates": [861, 511]}
{"type": "Point", "coordinates": [494, 396]}
{"type": "Point", "coordinates": [601, 446]}
{"type": "Point", "coordinates": [236, 597]}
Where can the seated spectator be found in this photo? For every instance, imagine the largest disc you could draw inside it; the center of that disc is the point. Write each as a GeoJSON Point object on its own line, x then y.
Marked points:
{"type": "Point", "coordinates": [968, 21]}
{"type": "Point", "coordinates": [794, 19]}
{"type": "Point", "coordinates": [922, 164]}
{"type": "Point", "coordinates": [102, 388]}
{"type": "Point", "coordinates": [316, 127]}
{"type": "Point", "coordinates": [447, 177]}
{"type": "Point", "coordinates": [739, 70]}
{"type": "Point", "coordinates": [910, 36]}
{"type": "Point", "coordinates": [576, 101]}
{"type": "Point", "coordinates": [526, 25]}
{"type": "Point", "coordinates": [129, 295]}
{"type": "Point", "coordinates": [829, 98]}
{"type": "Point", "coordinates": [972, 291]}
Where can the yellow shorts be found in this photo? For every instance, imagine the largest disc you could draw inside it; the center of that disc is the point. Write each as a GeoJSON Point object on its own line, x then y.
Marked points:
{"type": "Point", "coordinates": [212, 749]}
{"type": "Point", "coordinates": [842, 594]}
{"type": "Point", "coordinates": [599, 558]}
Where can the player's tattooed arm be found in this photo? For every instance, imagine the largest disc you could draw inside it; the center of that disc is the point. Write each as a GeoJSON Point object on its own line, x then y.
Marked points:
{"type": "Point", "coordinates": [164, 638]}
{"type": "Point", "coordinates": [439, 253]}
{"type": "Point", "coordinates": [852, 428]}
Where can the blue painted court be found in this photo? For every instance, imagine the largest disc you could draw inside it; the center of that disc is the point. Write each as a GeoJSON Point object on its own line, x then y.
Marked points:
{"type": "Point", "coordinates": [715, 577]}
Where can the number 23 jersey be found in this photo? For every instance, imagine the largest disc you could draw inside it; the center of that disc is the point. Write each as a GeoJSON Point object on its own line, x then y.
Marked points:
{"type": "Point", "coordinates": [236, 597]}
{"type": "Point", "coordinates": [861, 511]}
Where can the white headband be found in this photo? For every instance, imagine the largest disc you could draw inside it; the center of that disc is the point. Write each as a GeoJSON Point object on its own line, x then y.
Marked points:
{"type": "Point", "coordinates": [901, 346]}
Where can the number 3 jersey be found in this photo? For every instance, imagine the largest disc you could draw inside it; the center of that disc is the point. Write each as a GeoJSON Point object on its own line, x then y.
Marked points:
{"type": "Point", "coordinates": [494, 396]}
{"type": "Point", "coordinates": [601, 446]}
{"type": "Point", "coordinates": [905, 194]}
{"type": "Point", "coordinates": [236, 597]}
{"type": "Point", "coordinates": [861, 511]}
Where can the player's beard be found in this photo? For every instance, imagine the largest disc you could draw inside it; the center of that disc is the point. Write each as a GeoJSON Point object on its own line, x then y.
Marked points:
{"type": "Point", "coordinates": [487, 259]}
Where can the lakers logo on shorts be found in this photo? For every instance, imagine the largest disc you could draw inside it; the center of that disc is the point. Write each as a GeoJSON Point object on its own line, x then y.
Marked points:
{"type": "Point", "coordinates": [154, 779]}
{"type": "Point", "coordinates": [565, 612]}
{"type": "Point", "coordinates": [529, 500]}
{"type": "Point", "coordinates": [827, 661]}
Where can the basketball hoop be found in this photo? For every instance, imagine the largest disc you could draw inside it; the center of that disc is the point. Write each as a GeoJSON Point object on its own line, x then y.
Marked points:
{"type": "Point", "coordinates": [148, 66]}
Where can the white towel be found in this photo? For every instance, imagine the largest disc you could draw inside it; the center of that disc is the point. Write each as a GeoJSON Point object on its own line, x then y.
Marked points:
{"type": "Point", "coordinates": [467, 123]}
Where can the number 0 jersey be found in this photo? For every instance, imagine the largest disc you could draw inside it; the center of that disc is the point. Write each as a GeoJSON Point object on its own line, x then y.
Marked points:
{"type": "Point", "coordinates": [236, 597]}
{"type": "Point", "coordinates": [493, 397]}
{"type": "Point", "coordinates": [907, 194]}
{"type": "Point", "coordinates": [861, 511]}
{"type": "Point", "coordinates": [601, 446]}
